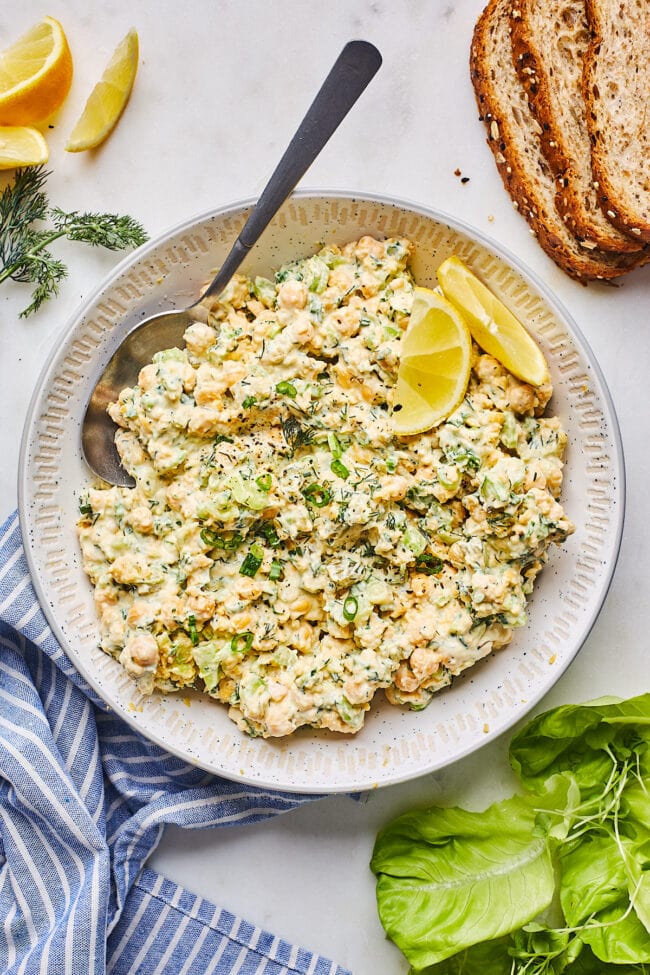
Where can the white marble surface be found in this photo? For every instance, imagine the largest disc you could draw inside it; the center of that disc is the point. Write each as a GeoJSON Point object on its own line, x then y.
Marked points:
{"type": "Point", "coordinates": [220, 90]}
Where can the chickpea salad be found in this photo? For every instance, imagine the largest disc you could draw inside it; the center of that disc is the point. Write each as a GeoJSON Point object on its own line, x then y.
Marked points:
{"type": "Point", "coordinates": [283, 550]}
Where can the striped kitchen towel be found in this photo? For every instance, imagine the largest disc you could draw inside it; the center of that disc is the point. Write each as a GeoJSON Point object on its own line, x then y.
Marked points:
{"type": "Point", "coordinates": [83, 802]}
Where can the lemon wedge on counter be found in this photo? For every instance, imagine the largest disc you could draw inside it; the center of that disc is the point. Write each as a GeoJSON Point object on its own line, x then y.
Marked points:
{"type": "Point", "coordinates": [20, 145]}
{"type": "Point", "coordinates": [492, 325]}
{"type": "Point", "coordinates": [35, 74]}
{"type": "Point", "coordinates": [435, 361]}
{"type": "Point", "coordinates": [108, 99]}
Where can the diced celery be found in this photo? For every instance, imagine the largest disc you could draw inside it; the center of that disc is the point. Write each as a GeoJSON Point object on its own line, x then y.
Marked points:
{"type": "Point", "coordinates": [246, 492]}
{"type": "Point", "coordinates": [449, 476]}
{"type": "Point", "coordinates": [208, 663]}
{"type": "Point", "coordinates": [414, 540]}
{"type": "Point", "coordinates": [396, 248]}
{"type": "Point", "coordinates": [181, 662]}
{"type": "Point", "coordinates": [290, 272]}
{"type": "Point", "coordinates": [315, 274]}
{"type": "Point", "coordinates": [378, 592]}
{"type": "Point", "coordinates": [265, 291]}
{"type": "Point", "coordinates": [493, 490]}
{"type": "Point", "coordinates": [169, 461]}
{"type": "Point", "coordinates": [347, 712]}
{"type": "Point", "coordinates": [332, 257]}
{"type": "Point", "coordinates": [509, 431]}
{"type": "Point", "coordinates": [315, 308]}
{"type": "Point", "coordinates": [285, 657]}
{"type": "Point", "coordinates": [170, 355]}
{"type": "Point", "coordinates": [390, 332]}
{"type": "Point", "coordinates": [463, 456]}
{"type": "Point", "coordinates": [217, 508]}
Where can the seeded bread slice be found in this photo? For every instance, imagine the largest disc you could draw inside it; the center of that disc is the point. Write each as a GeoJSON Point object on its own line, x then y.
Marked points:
{"type": "Point", "coordinates": [549, 42]}
{"type": "Point", "coordinates": [617, 95]}
{"type": "Point", "coordinates": [514, 138]}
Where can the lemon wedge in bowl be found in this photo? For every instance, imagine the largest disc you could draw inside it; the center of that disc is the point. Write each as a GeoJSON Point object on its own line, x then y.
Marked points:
{"type": "Point", "coordinates": [21, 145]}
{"type": "Point", "coordinates": [435, 362]}
{"type": "Point", "coordinates": [35, 74]}
{"type": "Point", "coordinates": [109, 97]}
{"type": "Point", "coordinates": [491, 324]}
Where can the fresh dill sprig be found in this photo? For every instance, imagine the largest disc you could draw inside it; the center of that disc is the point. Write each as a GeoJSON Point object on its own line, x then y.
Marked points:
{"type": "Point", "coordinates": [24, 247]}
{"type": "Point", "coordinates": [294, 435]}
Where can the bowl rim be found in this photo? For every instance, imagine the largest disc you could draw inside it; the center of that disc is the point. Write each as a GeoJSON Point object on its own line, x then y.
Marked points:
{"type": "Point", "coordinates": [408, 205]}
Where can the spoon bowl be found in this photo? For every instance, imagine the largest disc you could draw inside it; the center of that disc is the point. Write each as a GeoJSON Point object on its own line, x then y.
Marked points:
{"type": "Point", "coordinates": [352, 71]}
{"type": "Point", "coordinates": [162, 331]}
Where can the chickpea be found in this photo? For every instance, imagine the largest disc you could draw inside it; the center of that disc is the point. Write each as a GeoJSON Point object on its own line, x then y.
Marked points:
{"type": "Point", "coordinates": [521, 396]}
{"type": "Point", "coordinates": [405, 679]}
{"type": "Point", "coordinates": [140, 614]}
{"type": "Point", "coordinates": [392, 488]}
{"type": "Point", "coordinates": [203, 422]}
{"type": "Point", "coordinates": [143, 650]}
{"type": "Point", "coordinates": [292, 294]}
{"type": "Point", "coordinates": [141, 519]}
{"type": "Point", "coordinates": [198, 338]}
{"type": "Point", "coordinates": [201, 605]}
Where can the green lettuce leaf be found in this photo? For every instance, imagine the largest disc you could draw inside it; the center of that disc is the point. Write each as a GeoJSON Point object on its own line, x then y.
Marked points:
{"type": "Point", "coordinates": [523, 954]}
{"type": "Point", "coordinates": [588, 964]}
{"type": "Point", "coordinates": [617, 936]}
{"type": "Point", "coordinates": [448, 879]}
{"type": "Point", "coordinates": [574, 738]}
{"type": "Point", "coordinates": [593, 878]}
{"type": "Point", "coordinates": [491, 957]}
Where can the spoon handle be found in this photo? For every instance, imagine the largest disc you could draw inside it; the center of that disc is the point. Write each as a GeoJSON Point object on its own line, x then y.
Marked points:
{"type": "Point", "coordinates": [354, 68]}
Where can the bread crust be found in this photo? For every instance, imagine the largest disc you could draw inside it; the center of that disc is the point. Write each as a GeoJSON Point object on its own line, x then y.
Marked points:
{"type": "Point", "coordinates": [515, 143]}
{"type": "Point", "coordinates": [553, 82]}
{"type": "Point", "coordinates": [623, 193]}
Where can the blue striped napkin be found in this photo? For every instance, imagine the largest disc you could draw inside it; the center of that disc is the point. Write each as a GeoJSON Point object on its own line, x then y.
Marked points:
{"type": "Point", "coordinates": [83, 802]}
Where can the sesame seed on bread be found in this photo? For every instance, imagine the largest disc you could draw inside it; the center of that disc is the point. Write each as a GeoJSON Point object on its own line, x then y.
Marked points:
{"type": "Point", "coordinates": [616, 88]}
{"type": "Point", "coordinates": [549, 42]}
{"type": "Point", "coordinates": [514, 138]}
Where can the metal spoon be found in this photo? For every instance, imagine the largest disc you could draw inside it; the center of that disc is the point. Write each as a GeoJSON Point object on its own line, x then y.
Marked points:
{"type": "Point", "coordinates": [354, 68]}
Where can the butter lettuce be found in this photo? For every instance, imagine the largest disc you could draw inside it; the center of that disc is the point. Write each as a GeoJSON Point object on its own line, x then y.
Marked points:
{"type": "Point", "coordinates": [466, 892]}
{"type": "Point", "coordinates": [448, 878]}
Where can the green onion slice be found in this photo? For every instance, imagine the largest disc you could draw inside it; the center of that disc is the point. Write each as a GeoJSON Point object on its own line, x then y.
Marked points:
{"type": "Point", "coordinates": [252, 561]}
{"type": "Point", "coordinates": [286, 388]}
{"type": "Point", "coordinates": [270, 533]}
{"type": "Point", "coordinates": [263, 482]}
{"type": "Point", "coordinates": [339, 468]}
{"type": "Point", "coordinates": [192, 630]}
{"type": "Point", "coordinates": [242, 642]}
{"type": "Point", "coordinates": [334, 445]}
{"type": "Point", "coordinates": [231, 543]}
{"type": "Point", "coordinates": [317, 494]}
{"type": "Point", "coordinates": [350, 608]}
{"type": "Point", "coordinates": [215, 540]}
{"type": "Point", "coordinates": [430, 565]}
{"type": "Point", "coordinates": [276, 570]}
{"type": "Point", "coordinates": [210, 537]}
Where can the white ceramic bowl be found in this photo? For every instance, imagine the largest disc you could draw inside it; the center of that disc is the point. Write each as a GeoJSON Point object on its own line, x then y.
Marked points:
{"type": "Point", "coordinates": [395, 744]}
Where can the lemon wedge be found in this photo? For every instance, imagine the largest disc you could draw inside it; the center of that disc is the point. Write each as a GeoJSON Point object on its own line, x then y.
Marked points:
{"type": "Point", "coordinates": [20, 145]}
{"type": "Point", "coordinates": [492, 325]}
{"type": "Point", "coordinates": [108, 99]}
{"type": "Point", "coordinates": [434, 367]}
{"type": "Point", "coordinates": [35, 74]}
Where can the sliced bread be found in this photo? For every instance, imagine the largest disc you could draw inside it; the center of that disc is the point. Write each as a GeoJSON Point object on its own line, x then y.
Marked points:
{"type": "Point", "coordinates": [616, 93]}
{"type": "Point", "coordinates": [514, 138]}
{"type": "Point", "coordinates": [549, 42]}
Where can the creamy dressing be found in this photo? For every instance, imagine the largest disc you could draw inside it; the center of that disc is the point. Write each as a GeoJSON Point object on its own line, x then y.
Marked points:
{"type": "Point", "coordinates": [282, 550]}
